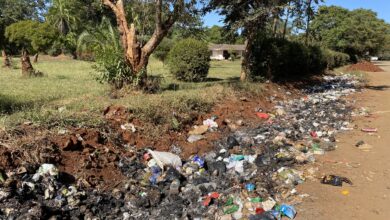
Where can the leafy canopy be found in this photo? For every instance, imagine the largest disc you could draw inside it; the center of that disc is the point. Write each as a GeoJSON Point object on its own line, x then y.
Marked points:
{"type": "Point", "coordinates": [12, 11]}
{"type": "Point", "coordinates": [354, 32]}
{"type": "Point", "coordinates": [31, 35]}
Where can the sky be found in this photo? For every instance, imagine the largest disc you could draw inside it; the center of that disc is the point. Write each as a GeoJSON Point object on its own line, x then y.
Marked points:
{"type": "Point", "coordinates": [382, 7]}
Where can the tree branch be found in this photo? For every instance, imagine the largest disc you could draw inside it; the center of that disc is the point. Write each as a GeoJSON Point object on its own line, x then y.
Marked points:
{"type": "Point", "coordinates": [162, 28]}
{"type": "Point", "coordinates": [111, 5]}
{"type": "Point", "coordinates": [158, 14]}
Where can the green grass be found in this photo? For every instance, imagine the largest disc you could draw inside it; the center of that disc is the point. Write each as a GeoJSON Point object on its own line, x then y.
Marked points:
{"type": "Point", "coordinates": [69, 94]}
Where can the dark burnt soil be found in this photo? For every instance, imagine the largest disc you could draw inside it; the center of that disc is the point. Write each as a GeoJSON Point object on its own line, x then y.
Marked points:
{"type": "Point", "coordinates": [365, 66]}
{"type": "Point", "coordinates": [91, 155]}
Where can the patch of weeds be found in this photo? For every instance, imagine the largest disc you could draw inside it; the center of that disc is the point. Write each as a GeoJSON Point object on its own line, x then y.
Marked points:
{"type": "Point", "coordinates": [360, 75]}
{"type": "Point", "coordinates": [252, 88]}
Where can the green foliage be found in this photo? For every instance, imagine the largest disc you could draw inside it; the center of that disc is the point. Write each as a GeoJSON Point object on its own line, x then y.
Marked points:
{"type": "Point", "coordinates": [31, 35]}
{"type": "Point", "coordinates": [188, 26]}
{"type": "Point", "coordinates": [189, 60]}
{"type": "Point", "coordinates": [335, 59]}
{"type": "Point", "coordinates": [280, 59]}
{"type": "Point", "coordinates": [356, 32]}
{"type": "Point", "coordinates": [105, 46]}
{"type": "Point", "coordinates": [161, 52]}
{"type": "Point", "coordinates": [71, 18]}
{"type": "Point", "coordinates": [62, 16]}
{"type": "Point", "coordinates": [74, 15]}
{"type": "Point", "coordinates": [12, 11]}
{"type": "Point", "coordinates": [222, 35]}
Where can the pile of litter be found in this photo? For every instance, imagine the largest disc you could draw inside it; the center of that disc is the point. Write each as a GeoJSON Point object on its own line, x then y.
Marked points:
{"type": "Point", "coordinates": [250, 174]}
{"type": "Point", "coordinates": [365, 66]}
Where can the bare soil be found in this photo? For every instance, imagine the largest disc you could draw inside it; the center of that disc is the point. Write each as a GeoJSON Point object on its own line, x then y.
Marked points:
{"type": "Point", "coordinates": [365, 66]}
{"type": "Point", "coordinates": [91, 154]}
{"type": "Point", "coordinates": [369, 197]}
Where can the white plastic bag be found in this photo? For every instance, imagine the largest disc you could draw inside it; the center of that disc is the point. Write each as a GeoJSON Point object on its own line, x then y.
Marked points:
{"type": "Point", "coordinates": [165, 158]}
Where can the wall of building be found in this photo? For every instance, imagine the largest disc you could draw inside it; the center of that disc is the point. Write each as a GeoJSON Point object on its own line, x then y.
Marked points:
{"type": "Point", "coordinates": [217, 55]}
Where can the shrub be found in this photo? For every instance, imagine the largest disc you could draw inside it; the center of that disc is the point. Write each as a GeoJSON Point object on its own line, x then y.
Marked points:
{"type": "Point", "coordinates": [189, 60]}
{"type": "Point", "coordinates": [335, 59]}
{"type": "Point", "coordinates": [280, 59]}
{"type": "Point", "coordinates": [112, 68]}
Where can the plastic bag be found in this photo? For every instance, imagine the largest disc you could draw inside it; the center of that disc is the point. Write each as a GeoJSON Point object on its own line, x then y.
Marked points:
{"type": "Point", "coordinates": [165, 159]}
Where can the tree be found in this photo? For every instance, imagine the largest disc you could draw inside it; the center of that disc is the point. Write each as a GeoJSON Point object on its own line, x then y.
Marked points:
{"type": "Point", "coordinates": [215, 35]}
{"type": "Point", "coordinates": [137, 54]}
{"type": "Point", "coordinates": [221, 35]}
{"type": "Point", "coordinates": [250, 16]}
{"type": "Point", "coordinates": [32, 36]}
{"type": "Point", "coordinates": [62, 15]}
{"type": "Point", "coordinates": [6, 58]}
{"type": "Point", "coordinates": [189, 26]}
{"type": "Point", "coordinates": [12, 11]}
{"type": "Point", "coordinates": [356, 32]}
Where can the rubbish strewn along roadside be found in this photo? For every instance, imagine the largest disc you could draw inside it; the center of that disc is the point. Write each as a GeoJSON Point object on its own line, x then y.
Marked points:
{"type": "Point", "coordinates": [251, 173]}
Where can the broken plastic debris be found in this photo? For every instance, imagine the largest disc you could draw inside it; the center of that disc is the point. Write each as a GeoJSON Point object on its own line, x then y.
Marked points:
{"type": "Point", "coordinates": [288, 211]}
{"type": "Point", "coordinates": [269, 204]}
{"type": "Point", "coordinates": [231, 209]}
{"type": "Point", "coordinates": [335, 180]}
{"type": "Point", "coordinates": [166, 159]}
{"type": "Point", "coordinates": [345, 192]}
{"type": "Point", "coordinates": [194, 138]}
{"type": "Point", "coordinates": [199, 130]}
{"type": "Point", "coordinates": [45, 169]}
{"type": "Point", "coordinates": [129, 126]}
{"type": "Point", "coordinates": [250, 187]}
{"type": "Point", "coordinates": [209, 198]}
{"type": "Point", "coordinates": [363, 146]}
{"type": "Point", "coordinates": [232, 142]}
{"type": "Point", "coordinates": [370, 130]}
{"type": "Point", "coordinates": [210, 123]}
{"type": "Point", "coordinates": [262, 115]}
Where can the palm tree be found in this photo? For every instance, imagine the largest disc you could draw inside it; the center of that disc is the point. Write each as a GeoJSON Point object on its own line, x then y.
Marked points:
{"type": "Point", "coordinates": [103, 38]}
{"type": "Point", "coordinates": [60, 14]}
{"type": "Point", "coordinates": [103, 43]}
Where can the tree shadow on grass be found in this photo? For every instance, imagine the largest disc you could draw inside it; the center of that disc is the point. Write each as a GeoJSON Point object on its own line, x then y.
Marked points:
{"type": "Point", "coordinates": [180, 86]}
{"type": "Point", "coordinates": [10, 105]}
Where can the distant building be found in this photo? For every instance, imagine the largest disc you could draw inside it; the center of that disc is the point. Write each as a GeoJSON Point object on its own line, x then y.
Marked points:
{"type": "Point", "coordinates": [225, 51]}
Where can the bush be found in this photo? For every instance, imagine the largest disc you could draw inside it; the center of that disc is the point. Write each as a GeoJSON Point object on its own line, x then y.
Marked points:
{"type": "Point", "coordinates": [189, 60]}
{"type": "Point", "coordinates": [280, 59]}
{"type": "Point", "coordinates": [335, 59]}
{"type": "Point", "coordinates": [112, 68]}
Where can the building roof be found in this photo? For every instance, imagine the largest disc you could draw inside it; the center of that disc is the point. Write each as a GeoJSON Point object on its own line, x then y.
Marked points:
{"type": "Point", "coordinates": [227, 47]}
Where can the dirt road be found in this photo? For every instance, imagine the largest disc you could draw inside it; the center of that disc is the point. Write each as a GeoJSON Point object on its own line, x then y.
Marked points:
{"type": "Point", "coordinates": [369, 197]}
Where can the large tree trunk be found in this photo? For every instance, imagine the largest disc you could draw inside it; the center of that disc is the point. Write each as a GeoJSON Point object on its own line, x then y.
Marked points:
{"type": "Point", "coordinates": [246, 62]}
{"type": "Point", "coordinates": [136, 55]}
{"type": "Point", "coordinates": [7, 60]}
{"type": "Point", "coordinates": [245, 70]}
{"type": "Point", "coordinates": [308, 19]}
{"type": "Point", "coordinates": [286, 21]}
{"type": "Point", "coordinates": [35, 58]}
{"type": "Point", "coordinates": [275, 22]}
{"type": "Point", "coordinates": [27, 68]}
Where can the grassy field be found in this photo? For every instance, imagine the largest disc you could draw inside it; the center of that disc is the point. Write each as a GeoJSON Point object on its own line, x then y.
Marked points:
{"type": "Point", "coordinates": [69, 94]}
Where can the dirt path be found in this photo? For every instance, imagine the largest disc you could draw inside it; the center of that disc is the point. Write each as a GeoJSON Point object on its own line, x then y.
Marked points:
{"type": "Point", "coordinates": [369, 197]}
